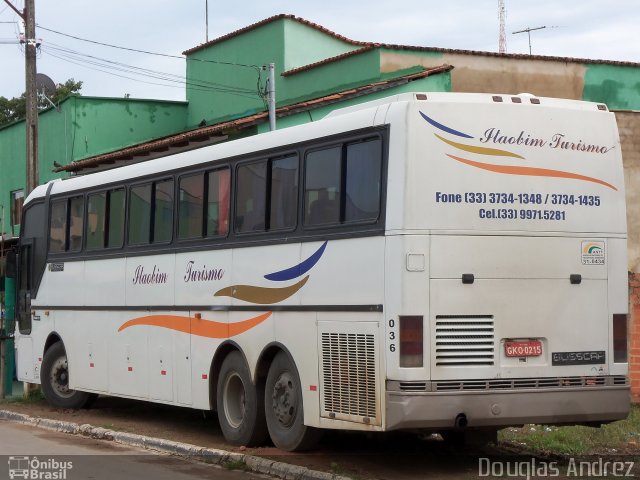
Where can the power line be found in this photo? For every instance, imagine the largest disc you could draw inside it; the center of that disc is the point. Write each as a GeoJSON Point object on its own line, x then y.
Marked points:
{"type": "Point", "coordinates": [146, 51]}
{"type": "Point", "coordinates": [196, 88]}
{"type": "Point", "coordinates": [106, 63]}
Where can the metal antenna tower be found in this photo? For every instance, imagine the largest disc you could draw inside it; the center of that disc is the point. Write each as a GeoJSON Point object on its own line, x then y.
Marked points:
{"type": "Point", "coordinates": [502, 42]}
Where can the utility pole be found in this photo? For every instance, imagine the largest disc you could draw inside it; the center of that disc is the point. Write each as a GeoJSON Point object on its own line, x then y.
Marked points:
{"type": "Point", "coordinates": [206, 20]}
{"type": "Point", "coordinates": [28, 15]}
{"type": "Point", "coordinates": [271, 96]}
{"type": "Point", "coordinates": [528, 31]}
{"type": "Point", "coordinates": [502, 38]}
{"type": "Point", "coordinates": [31, 96]}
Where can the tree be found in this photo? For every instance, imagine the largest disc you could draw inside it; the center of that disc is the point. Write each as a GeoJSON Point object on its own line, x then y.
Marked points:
{"type": "Point", "coordinates": [15, 108]}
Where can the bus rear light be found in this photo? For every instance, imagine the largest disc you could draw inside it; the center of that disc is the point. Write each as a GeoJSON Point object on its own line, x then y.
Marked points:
{"type": "Point", "coordinates": [619, 337]}
{"type": "Point", "coordinates": [411, 341]}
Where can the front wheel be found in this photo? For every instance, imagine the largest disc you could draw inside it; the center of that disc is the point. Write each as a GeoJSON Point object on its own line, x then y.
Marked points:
{"type": "Point", "coordinates": [54, 378]}
{"type": "Point", "coordinates": [283, 408]}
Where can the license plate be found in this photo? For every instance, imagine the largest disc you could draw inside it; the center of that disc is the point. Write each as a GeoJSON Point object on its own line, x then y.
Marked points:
{"type": "Point", "coordinates": [528, 348]}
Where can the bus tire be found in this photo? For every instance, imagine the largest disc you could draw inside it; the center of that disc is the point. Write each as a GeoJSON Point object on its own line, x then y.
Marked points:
{"type": "Point", "coordinates": [239, 402]}
{"type": "Point", "coordinates": [283, 408]}
{"type": "Point", "coordinates": [54, 379]}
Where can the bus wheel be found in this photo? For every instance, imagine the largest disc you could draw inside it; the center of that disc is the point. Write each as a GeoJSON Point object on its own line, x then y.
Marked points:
{"type": "Point", "coordinates": [240, 409]}
{"type": "Point", "coordinates": [54, 377]}
{"type": "Point", "coordinates": [283, 408]}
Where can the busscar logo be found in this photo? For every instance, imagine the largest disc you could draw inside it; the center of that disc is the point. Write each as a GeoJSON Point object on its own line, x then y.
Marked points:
{"type": "Point", "coordinates": [38, 469]}
{"type": "Point", "coordinates": [579, 358]}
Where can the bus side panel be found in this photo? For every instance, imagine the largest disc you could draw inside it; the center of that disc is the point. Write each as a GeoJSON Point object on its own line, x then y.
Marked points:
{"type": "Point", "coordinates": [129, 357]}
{"type": "Point", "coordinates": [618, 298]}
{"type": "Point", "coordinates": [86, 337]}
{"type": "Point", "coordinates": [200, 275]}
{"type": "Point", "coordinates": [149, 280]}
{"type": "Point", "coordinates": [107, 280]}
{"type": "Point", "coordinates": [407, 266]}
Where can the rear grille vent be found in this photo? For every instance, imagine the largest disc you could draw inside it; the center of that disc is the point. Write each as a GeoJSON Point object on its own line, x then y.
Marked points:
{"type": "Point", "coordinates": [522, 383]}
{"type": "Point", "coordinates": [349, 374]}
{"type": "Point", "coordinates": [620, 380]}
{"type": "Point", "coordinates": [413, 386]}
{"type": "Point", "coordinates": [464, 340]}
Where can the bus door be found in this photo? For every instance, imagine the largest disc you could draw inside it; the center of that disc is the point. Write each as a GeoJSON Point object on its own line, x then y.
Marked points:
{"type": "Point", "coordinates": [25, 364]}
{"type": "Point", "coordinates": [25, 274]}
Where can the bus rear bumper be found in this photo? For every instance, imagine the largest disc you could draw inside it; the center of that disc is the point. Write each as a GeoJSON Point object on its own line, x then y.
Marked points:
{"type": "Point", "coordinates": [439, 410]}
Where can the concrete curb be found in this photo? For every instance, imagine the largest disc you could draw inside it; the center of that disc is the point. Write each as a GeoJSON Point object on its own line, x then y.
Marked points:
{"type": "Point", "coordinates": [208, 455]}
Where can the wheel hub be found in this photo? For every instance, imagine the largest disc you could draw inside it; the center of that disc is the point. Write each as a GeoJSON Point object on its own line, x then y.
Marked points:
{"type": "Point", "coordinates": [284, 399]}
{"type": "Point", "coordinates": [234, 400]}
{"type": "Point", "coordinates": [60, 377]}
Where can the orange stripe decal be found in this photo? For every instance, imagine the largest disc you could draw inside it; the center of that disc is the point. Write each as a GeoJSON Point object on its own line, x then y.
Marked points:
{"type": "Point", "coordinates": [198, 327]}
{"type": "Point", "coordinates": [261, 295]}
{"type": "Point", "coordinates": [480, 150]}
{"type": "Point", "coordinates": [530, 171]}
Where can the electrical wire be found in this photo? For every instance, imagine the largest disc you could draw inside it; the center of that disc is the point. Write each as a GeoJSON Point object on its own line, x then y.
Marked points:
{"type": "Point", "coordinates": [106, 63]}
{"type": "Point", "coordinates": [146, 51]}
{"type": "Point", "coordinates": [195, 88]}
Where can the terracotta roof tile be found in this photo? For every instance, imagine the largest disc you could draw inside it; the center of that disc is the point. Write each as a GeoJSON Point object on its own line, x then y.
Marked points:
{"type": "Point", "coordinates": [266, 21]}
{"type": "Point", "coordinates": [370, 45]}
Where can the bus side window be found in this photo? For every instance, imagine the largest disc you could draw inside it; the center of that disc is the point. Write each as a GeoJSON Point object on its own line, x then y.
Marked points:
{"type": "Point", "coordinates": [76, 223]}
{"type": "Point", "coordinates": [115, 218]}
{"type": "Point", "coordinates": [322, 187]}
{"type": "Point", "coordinates": [190, 206]}
{"type": "Point", "coordinates": [364, 165]}
{"type": "Point", "coordinates": [96, 220]}
{"type": "Point", "coordinates": [251, 197]}
{"type": "Point", "coordinates": [163, 211]}
{"type": "Point", "coordinates": [284, 193]}
{"type": "Point", "coordinates": [219, 182]}
{"type": "Point", "coordinates": [140, 214]}
{"type": "Point", "coordinates": [58, 226]}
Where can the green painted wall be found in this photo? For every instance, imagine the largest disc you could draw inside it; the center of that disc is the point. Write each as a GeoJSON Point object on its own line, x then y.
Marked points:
{"type": "Point", "coordinates": [617, 86]}
{"type": "Point", "coordinates": [305, 45]}
{"type": "Point", "coordinates": [285, 42]}
{"type": "Point", "coordinates": [106, 124]}
{"type": "Point", "coordinates": [83, 127]}
{"type": "Point", "coordinates": [216, 91]}
{"type": "Point", "coordinates": [353, 71]}
{"type": "Point", "coordinates": [12, 168]}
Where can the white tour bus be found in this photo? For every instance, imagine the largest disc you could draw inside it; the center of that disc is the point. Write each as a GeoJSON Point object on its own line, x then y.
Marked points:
{"type": "Point", "coordinates": [435, 261]}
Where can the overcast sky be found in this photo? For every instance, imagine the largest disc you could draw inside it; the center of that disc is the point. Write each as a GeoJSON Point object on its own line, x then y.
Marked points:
{"type": "Point", "coordinates": [595, 29]}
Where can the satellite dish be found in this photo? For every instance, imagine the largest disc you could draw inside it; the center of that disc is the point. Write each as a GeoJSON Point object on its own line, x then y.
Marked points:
{"type": "Point", "coordinates": [45, 85]}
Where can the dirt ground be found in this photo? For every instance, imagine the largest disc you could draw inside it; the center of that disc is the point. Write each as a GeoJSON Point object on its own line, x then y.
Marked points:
{"type": "Point", "coordinates": [360, 456]}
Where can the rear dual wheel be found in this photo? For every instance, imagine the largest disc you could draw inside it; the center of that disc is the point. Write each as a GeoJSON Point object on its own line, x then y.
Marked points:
{"type": "Point", "coordinates": [283, 407]}
{"type": "Point", "coordinates": [249, 413]}
{"type": "Point", "coordinates": [240, 409]}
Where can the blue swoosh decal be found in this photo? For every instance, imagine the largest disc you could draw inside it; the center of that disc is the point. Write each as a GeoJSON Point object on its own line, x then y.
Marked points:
{"type": "Point", "coordinates": [444, 128]}
{"type": "Point", "coordinates": [297, 270]}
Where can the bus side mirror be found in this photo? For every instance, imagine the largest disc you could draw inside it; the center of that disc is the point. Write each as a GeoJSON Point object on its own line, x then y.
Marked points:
{"type": "Point", "coordinates": [11, 266]}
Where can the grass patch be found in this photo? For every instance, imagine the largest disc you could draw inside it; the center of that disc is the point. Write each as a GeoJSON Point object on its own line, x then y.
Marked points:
{"type": "Point", "coordinates": [235, 465]}
{"type": "Point", "coordinates": [612, 438]}
{"type": "Point", "coordinates": [34, 396]}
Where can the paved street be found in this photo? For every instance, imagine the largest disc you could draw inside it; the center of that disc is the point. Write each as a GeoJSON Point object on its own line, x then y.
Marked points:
{"type": "Point", "coordinates": [84, 458]}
